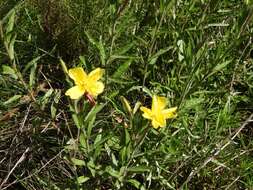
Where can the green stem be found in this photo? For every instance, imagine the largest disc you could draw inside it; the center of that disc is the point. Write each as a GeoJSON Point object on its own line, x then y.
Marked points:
{"type": "Point", "coordinates": [137, 146]}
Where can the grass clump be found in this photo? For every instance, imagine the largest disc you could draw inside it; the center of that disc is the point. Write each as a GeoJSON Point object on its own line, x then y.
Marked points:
{"type": "Point", "coordinates": [197, 54]}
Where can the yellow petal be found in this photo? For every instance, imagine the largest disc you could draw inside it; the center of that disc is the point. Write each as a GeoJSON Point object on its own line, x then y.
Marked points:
{"type": "Point", "coordinates": [160, 119]}
{"type": "Point", "coordinates": [96, 74]}
{"type": "Point", "coordinates": [78, 75]}
{"type": "Point", "coordinates": [147, 113]}
{"type": "Point", "coordinates": [158, 103]}
{"type": "Point", "coordinates": [155, 124]}
{"type": "Point", "coordinates": [170, 113]}
{"type": "Point", "coordinates": [75, 92]}
{"type": "Point", "coordinates": [96, 88]}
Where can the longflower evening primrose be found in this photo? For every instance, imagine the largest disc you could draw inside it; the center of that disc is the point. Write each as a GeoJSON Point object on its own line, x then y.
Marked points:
{"type": "Point", "coordinates": [158, 114]}
{"type": "Point", "coordinates": [85, 83]}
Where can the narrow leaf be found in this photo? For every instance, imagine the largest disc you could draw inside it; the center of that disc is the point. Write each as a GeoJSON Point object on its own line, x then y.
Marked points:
{"type": "Point", "coordinates": [93, 112]}
{"type": "Point", "coordinates": [9, 71]}
{"type": "Point", "coordinates": [152, 60]}
{"type": "Point", "coordinates": [139, 169]}
{"type": "Point", "coordinates": [12, 99]}
{"type": "Point", "coordinates": [122, 69]}
{"type": "Point", "coordinates": [82, 179]}
{"type": "Point", "coordinates": [78, 162]}
{"type": "Point", "coordinates": [126, 104]}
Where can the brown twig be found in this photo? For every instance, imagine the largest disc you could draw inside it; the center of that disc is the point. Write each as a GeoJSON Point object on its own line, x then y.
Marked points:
{"type": "Point", "coordinates": [21, 159]}
{"type": "Point", "coordinates": [36, 172]}
{"type": "Point", "coordinates": [217, 151]}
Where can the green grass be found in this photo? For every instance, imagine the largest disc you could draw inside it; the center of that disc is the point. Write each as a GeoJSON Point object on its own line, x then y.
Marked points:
{"type": "Point", "coordinates": [198, 54]}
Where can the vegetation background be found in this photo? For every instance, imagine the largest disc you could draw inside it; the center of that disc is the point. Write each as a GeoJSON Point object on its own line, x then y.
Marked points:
{"type": "Point", "coordinates": [197, 53]}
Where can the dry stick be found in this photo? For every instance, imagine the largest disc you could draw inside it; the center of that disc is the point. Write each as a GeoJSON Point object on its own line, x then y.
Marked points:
{"type": "Point", "coordinates": [211, 158]}
{"type": "Point", "coordinates": [25, 118]}
{"type": "Point", "coordinates": [228, 187]}
{"type": "Point", "coordinates": [66, 121]}
{"type": "Point", "coordinates": [121, 8]}
{"type": "Point", "coordinates": [246, 22]}
{"type": "Point", "coordinates": [236, 66]}
{"type": "Point", "coordinates": [21, 159]}
{"type": "Point", "coordinates": [20, 129]}
{"type": "Point", "coordinates": [36, 172]}
{"type": "Point", "coordinates": [236, 156]}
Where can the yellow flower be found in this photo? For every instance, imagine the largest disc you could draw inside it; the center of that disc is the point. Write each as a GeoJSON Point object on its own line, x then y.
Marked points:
{"type": "Point", "coordinates": [85, 83]}
{"type": "Point", "coordinates": [158, 114]}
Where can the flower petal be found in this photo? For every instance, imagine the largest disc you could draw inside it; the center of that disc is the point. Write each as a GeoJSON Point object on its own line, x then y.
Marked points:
{"type": "Point", "coordinates": [147, 113]}
{"type": "Point", "coordinates": [155, 124]}
{"type": "Point", "coordinates": [78, 75]}
{"type": "Point", "coordinates": [169, 113]}
{"type": "Point", "coordinates": [96, 74]}
{"type": "Point", "coordinates": [75, 92]}
{"type": "Point", "coordinates": [96, 88]}
{"type": "Point", "coordinates": [158, 103]}
{"type": "Point", "coordinates": [160, 119]}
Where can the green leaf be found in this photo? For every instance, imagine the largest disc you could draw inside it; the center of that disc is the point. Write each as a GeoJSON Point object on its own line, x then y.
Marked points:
{"type": "Point", "coordinates": [90, 126]}
{"type": "Point", "coordinates": [124, 49]}
{"type": "Point", "coordinates": [71, 145]}
{"type": "Point", "coordinates": [120, 81]}
{"type": "Point", "coordinates": [76, 120]}
{"type": "Point", "coordinates": [135, 183]}
{"type": "Point", "coordinates": [11, 21]}
{"type": "Point", "coordinates": [152, 60]}
{"type": "Point", "coordinates": [114, 57]}
{"type": "Point", "coordinates": [93, 112]}
{"type": "Point", "coordinates": [99, 46]}
{"type": "Point", "coordinates": [12, 99]}
{"type": "Point", "coordinates": [112, 172]}
{"type": "Point", "coordinates": [32, 75]}
{"type": "Point", "coordinates": [126, 151]}
{"type": "Point", "coordinates": [54, 106]}
{"type": "Point", "coordinates": [181, 45]}
{"type": "Point", "coordinates": [57, 96]}
{"type": "Point", "coordinates": [221, 66]}
{"type": "Point", "coordinates": [7, 70]}
{"type": "Point", "coordinates": [122, 69]}
{"type": "Point", "coordinates": [64, 67]}
{"type": "Point", "coordinates": [53, 110]}
{"type": "Point", "coordinates": [31, 63]}
{"type": "Point", "coordinates": [138, 169]}
{"type": "Point", "coordinates": [82, 61]}
{"type": "Point", "coordinates": [102, 51]}
{"type": "Point", "coordinates": [10, 50]}
{"type": "Point", "coordinates": [126, 105]}
{"type": "Point", "coordinates": [123, 154]}
{"type": "Point", "coordinates": [139, 88]}
{"type": "Point", "coordinates": [136, 107]}
{"type": "Point", "coordinates": [146, 90]}
{"type": "Point", "coordinates": [78, 162]}
{"type": "Point", "coordinates": [97, 140]}
{"type": "Point", "coordinates": [114, 159]}
{"type": "Point", "coordinates": [48, 94]}
{"type": "Point", "coordinates": [127, 137]}
{"type": "Point", "coordinates": [82, 140]}
{"type": "Point", "coordinates": [91, 166]}
{"type": "Point", "coordinates": [193, 103]}
{"type": "Point", "coordinates": [82, 179]}
{"type": "Point", "coordinates": [115, 106]}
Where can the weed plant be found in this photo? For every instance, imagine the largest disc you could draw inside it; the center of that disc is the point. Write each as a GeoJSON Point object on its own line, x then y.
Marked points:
{"type": "Point", "coordinates": [196, 53]}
